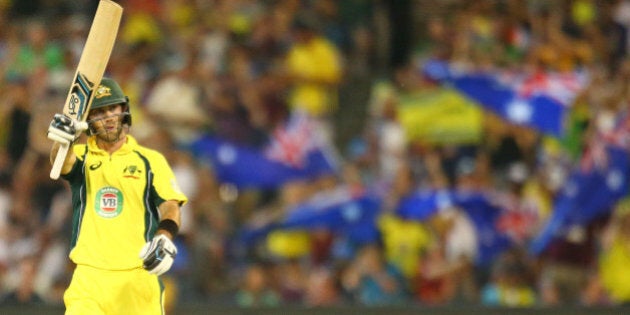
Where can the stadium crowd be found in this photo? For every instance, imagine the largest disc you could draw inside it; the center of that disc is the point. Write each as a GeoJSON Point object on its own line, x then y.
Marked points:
{"type": "Point", "coordinates": [237, 69]}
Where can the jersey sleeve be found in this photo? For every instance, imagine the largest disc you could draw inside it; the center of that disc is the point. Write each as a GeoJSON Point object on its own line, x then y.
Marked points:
{"type": "Point", "coordinates": [165, 186]}
{"type": "Point", "coordinates": [76, 172]}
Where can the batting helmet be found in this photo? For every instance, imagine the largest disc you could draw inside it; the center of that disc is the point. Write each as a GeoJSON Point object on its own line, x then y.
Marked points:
{"type": "Point", "coordinates": [110, 93]}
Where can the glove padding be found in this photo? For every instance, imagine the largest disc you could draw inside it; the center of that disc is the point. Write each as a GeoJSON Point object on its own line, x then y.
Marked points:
{"type": "Point", "coordinates": [64, 129]}
{"type": "Point", "coordinates": [158, 255]}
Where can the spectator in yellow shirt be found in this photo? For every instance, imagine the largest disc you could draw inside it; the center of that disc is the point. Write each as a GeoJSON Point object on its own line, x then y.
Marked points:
{"type": "Point", "coordinates": [313, 71]}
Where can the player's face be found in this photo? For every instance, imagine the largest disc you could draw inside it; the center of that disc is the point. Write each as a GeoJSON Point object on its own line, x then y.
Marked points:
{"type": "Point", "coordinates": [107, 122]}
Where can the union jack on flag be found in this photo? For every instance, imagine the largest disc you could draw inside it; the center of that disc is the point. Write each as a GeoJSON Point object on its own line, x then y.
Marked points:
{"type": "Point", "coordinates": [562, 87]}
{"type": "Point", "coordinates": [292, 142]}
{"type": "Point", "coordinates": [619, 135]}
{"type": "Point", "coordinates": [595, 154]}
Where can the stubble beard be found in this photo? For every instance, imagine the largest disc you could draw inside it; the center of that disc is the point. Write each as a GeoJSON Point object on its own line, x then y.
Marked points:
{"type": "Point", "coordinates": [112, 136]}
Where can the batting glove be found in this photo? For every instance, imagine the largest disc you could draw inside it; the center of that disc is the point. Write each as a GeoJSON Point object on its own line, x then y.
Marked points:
{"type": "Point", "coordinates": [64, 129]}
{"type": "Point", "coordinates": [158, 255]}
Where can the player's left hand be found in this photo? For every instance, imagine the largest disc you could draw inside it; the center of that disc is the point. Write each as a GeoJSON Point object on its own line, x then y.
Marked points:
{"type": "Point", "coordinates": [158, 255]}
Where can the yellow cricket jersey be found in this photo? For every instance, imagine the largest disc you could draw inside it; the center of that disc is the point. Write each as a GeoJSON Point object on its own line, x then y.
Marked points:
{"type": "Point", "coordinates": [115, 202]}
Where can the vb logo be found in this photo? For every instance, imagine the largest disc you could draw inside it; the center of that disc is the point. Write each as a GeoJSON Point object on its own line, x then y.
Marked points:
{"type": "Point", "coordinates": [109, 202]}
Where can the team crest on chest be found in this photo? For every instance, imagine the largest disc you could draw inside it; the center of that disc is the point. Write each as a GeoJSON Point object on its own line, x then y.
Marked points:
{"type": "Point", "coordinates": [132, 171]}
{"type": "Point", "coordinates": [109, 202]}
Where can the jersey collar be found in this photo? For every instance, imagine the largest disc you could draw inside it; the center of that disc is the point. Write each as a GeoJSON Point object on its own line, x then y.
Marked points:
{"type": "Point", "coordinates": [129, 146]}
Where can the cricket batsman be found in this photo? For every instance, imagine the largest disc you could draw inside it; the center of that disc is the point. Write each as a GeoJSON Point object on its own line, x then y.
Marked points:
{"type": "Point", "coordinates": [126, 211]}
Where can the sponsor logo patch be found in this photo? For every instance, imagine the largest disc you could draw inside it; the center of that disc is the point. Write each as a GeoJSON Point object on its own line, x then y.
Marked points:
{"type": "Point", "coordinates": [109, 202]}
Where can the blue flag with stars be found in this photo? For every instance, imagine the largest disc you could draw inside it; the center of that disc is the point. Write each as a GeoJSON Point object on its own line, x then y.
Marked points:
{"type": "Point", "coordinates": [294, 152]}
{"type": "Point", "coordinates": [422, 205]}
{"type": "Point", "coordinates": [588, 195]}
{"type": "Point", "coordinates": [352, 216]}
{"type": "Point", "coordinates": [539, 100]}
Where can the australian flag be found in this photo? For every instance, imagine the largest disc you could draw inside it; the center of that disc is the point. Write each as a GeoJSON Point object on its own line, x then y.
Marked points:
{"type": "Point", "coordinates": [597, 183]}
{"type": "Point", "coordinates": [478, 207]}
{"type": "Point", "coordinates": [341, 212]}
{"type": "Point", "coordinates": [295, 151]}
{"type": "Point", "coordinates": [588, 195]}
{"type": "Point", "coordinates": [539, 100]}
{"type": "Point", "coordinates": [338, 211]}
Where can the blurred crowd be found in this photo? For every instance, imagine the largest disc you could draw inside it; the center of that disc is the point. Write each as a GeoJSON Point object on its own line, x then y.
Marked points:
{"type": "Point", "coordinates": [237, 68]}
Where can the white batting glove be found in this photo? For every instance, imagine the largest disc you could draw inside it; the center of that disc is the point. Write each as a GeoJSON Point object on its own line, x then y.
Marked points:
{"type": "Point", "coordinates": [64, 129]}
{"type": "Point", "coordinates": [158, 255]}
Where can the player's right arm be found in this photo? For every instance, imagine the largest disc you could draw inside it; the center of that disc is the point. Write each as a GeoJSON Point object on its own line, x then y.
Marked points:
{"type": "Point", "coordinates": [64, 130]}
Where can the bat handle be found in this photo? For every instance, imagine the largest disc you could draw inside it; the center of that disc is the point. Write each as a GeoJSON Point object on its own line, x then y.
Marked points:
{"type": "Point", "coordinates": [59, 160]}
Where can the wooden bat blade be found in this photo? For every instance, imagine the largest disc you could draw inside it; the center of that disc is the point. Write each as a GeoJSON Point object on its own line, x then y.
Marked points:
{"type": "Point", "coordinates": [92, 64]}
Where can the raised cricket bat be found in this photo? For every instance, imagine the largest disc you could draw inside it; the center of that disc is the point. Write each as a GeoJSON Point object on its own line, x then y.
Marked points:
{"type": "Point", "coordinates": [92, 64]}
